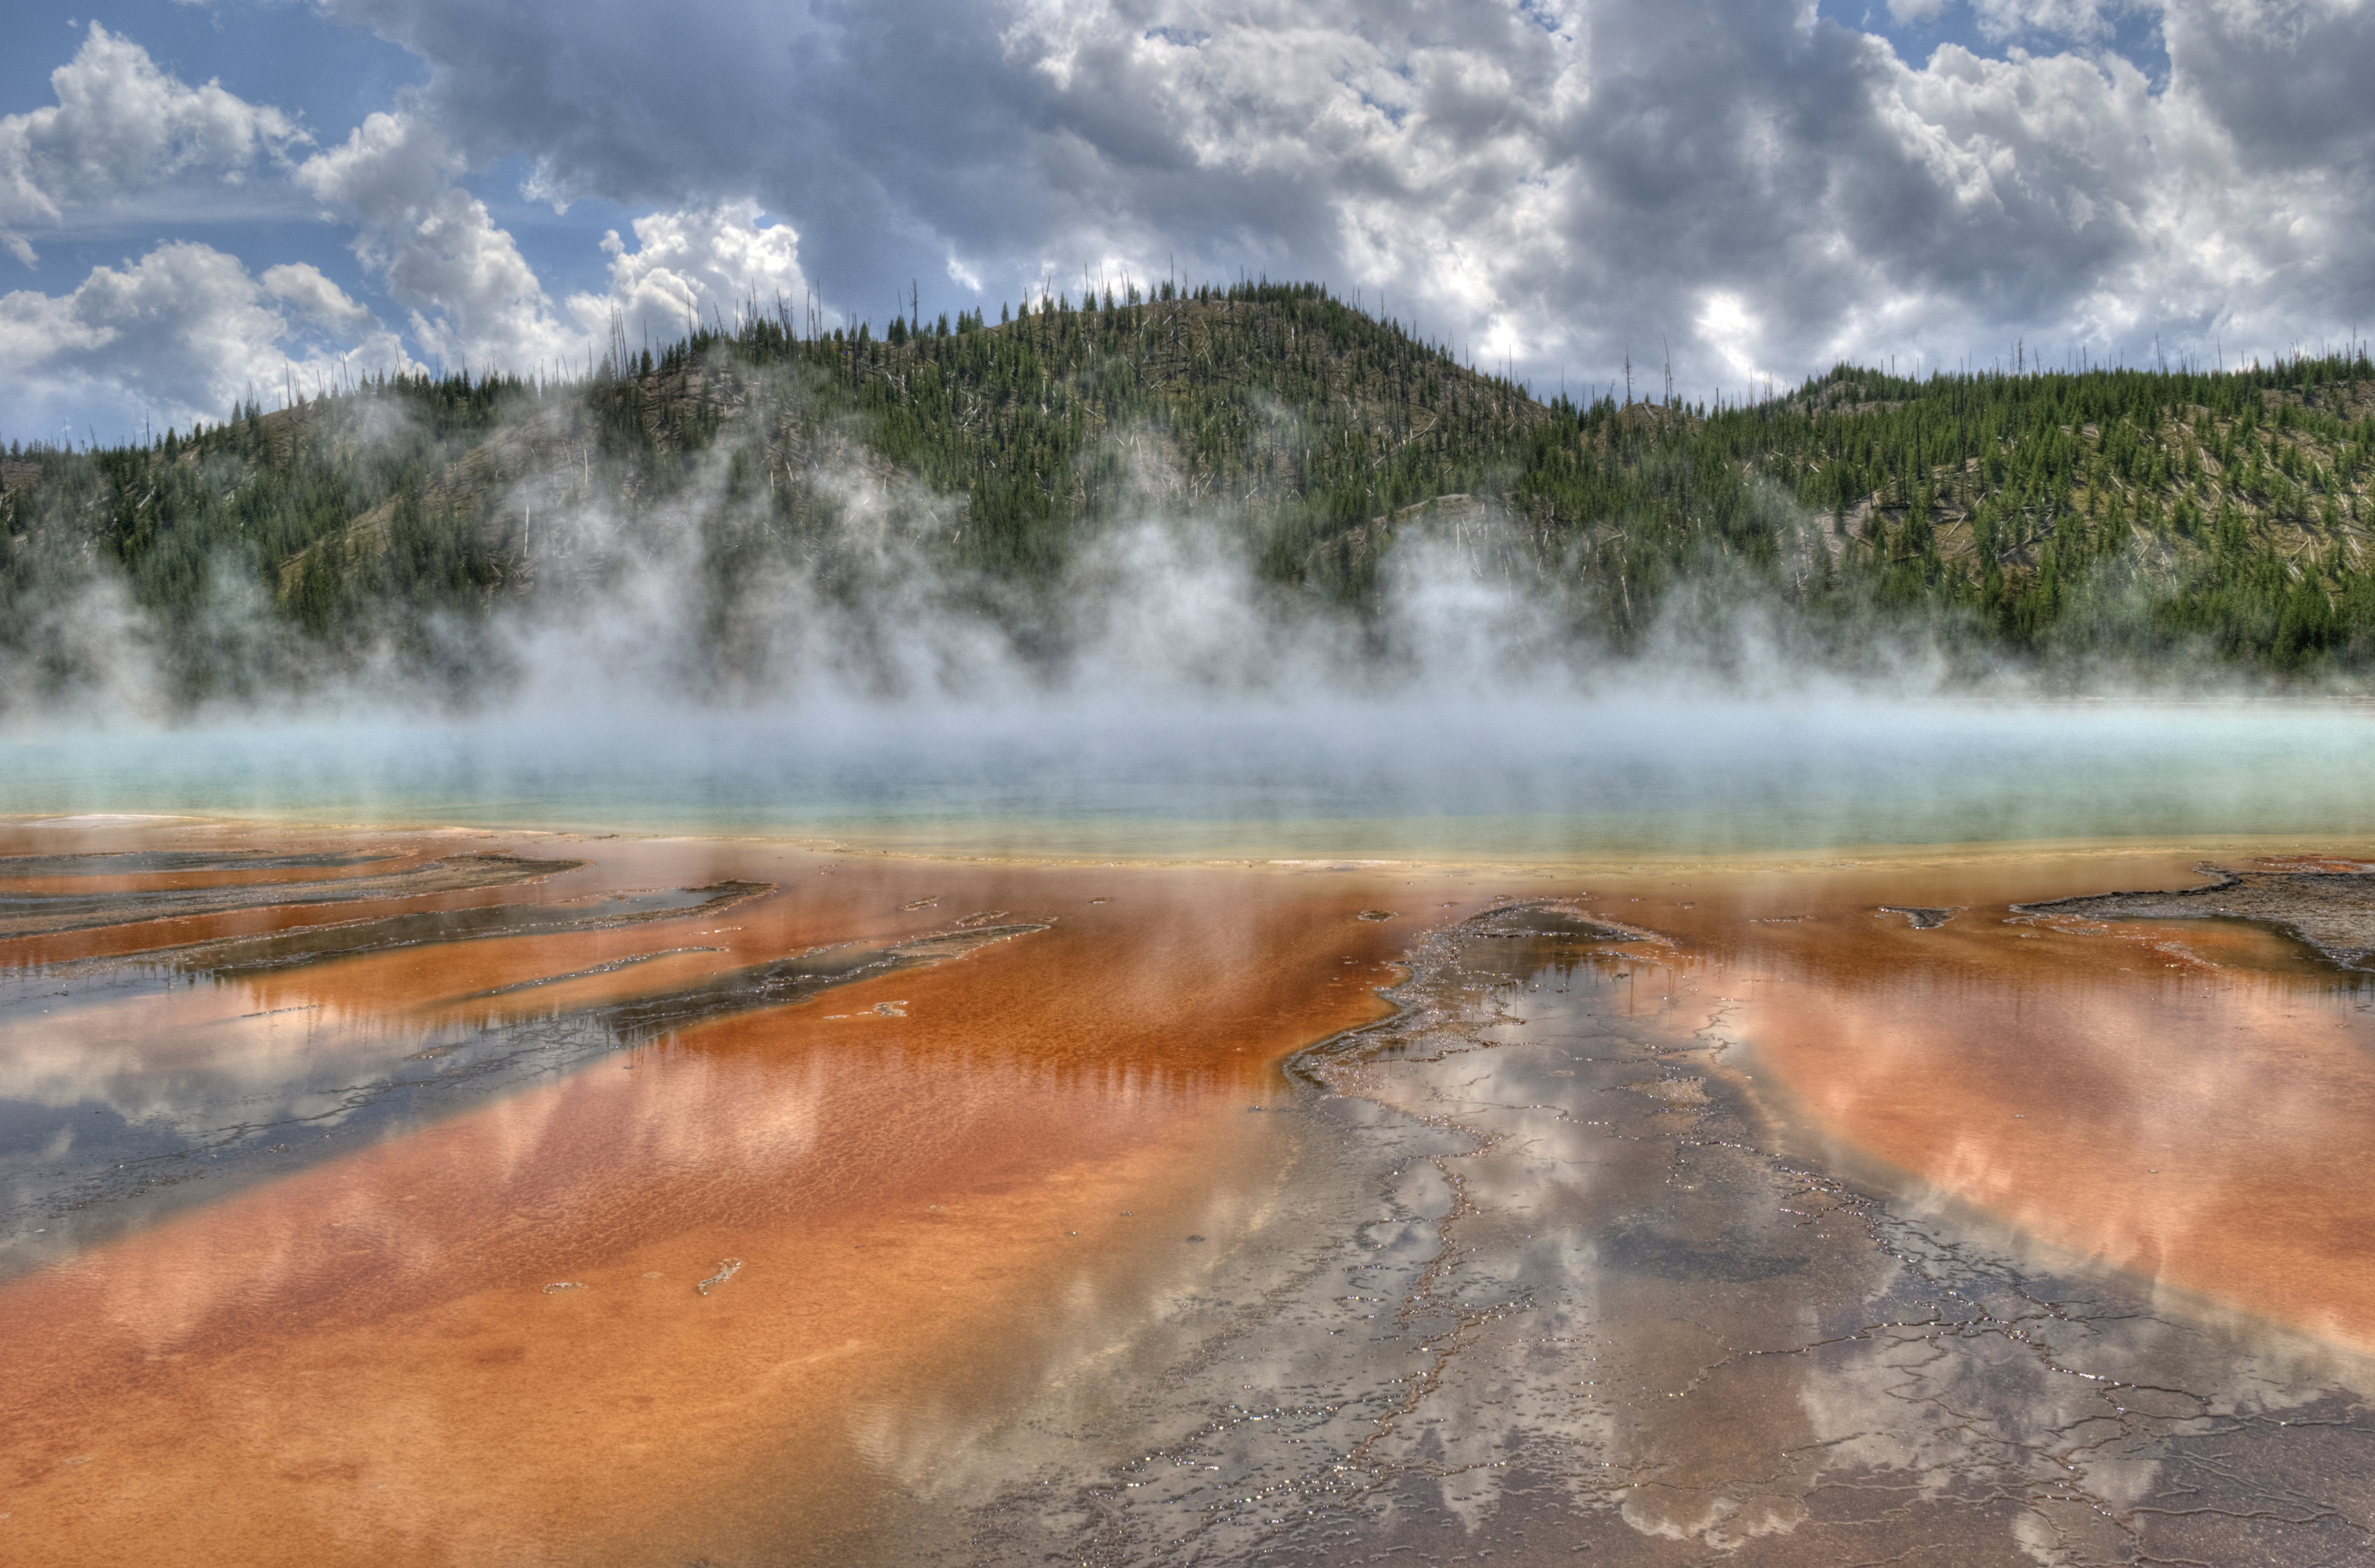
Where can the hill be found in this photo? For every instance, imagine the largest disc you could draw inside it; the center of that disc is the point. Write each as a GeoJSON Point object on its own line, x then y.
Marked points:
{"type": "Point", "coordinates": [2120, 515]}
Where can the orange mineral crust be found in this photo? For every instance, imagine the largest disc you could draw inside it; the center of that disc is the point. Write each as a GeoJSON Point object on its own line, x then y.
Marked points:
{"type": "Point", "coordinates": [2173, 1098]}
{"type": "Point", "coordinates": [757, 1288]}
{"type": "Point", "coordinates": [488, 1340]}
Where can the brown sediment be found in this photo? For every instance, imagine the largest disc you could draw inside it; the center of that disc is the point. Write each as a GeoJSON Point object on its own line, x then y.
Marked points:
{"type": "Point", "coordinates": [313, 944]}
{"type": "Point", "coordinates": [2332, 909]}
{"type": "Point", "coordinates": [912, 1171]}
{"type": "Point", "coordinates": [907, 1169]}
{"type": "Point", "coordinates": [250, 910]}
{"type": "Point", "coordinates": [2170, 1096]}
{"type": "Point", "coordinates": [2165, 1096]}
{"type": "Point", "coordinates": [52, 906]}
{"type": "Point", "coordinates": [136, 871]}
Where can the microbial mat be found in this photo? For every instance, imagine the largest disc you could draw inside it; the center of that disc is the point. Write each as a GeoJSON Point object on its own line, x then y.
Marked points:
{"type": "Point", "coordinates": [471, 1196]}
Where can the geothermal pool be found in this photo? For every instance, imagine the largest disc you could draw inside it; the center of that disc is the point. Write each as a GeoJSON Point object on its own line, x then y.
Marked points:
{"type": "Point", "coordinates": [950, 1192]}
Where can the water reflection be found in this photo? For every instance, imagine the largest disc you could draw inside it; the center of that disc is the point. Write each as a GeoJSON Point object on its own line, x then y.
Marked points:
{"type": "Point", "coordinates": [916, 1212]}
{"type": "Point", "coordinates": [125, 1080]}
{"type": "Point", "coordinates": [107, 1109]}
{"type": "Point", "coordinates": [2169, 1097]}
{"type": "Point", "coordinates": [1640, 769]}
{"type": "Point", "coordinates": [1607, 1315]}
{"type": "Point", "coordinates": [1024, 1087]}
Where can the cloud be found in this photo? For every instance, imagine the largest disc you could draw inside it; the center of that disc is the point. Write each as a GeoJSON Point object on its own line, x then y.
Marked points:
{"type": "Point", "coordinates": [2066, 18]}
{"type": "Point", "coordinates": [699, 265]}
{"type": "Point", "coordinates": [1552, 187]}
{"type": "Point", "coordinates": [184, 333]}
{"type": "Point", "coordinates": [2286, 80]}
{"type": "Point", "coordinates": [2093, 205]}
{"type": "Point", "coordinates": [1554, 184]}
{"type": "Point", "coordinates": [121, 128]}
{"type": "Point", "coordinates": [318, 303]}
{"type": "Point", "coordinates": [475, 301]}
{"type": "Point", "coordinates": [186, 330]}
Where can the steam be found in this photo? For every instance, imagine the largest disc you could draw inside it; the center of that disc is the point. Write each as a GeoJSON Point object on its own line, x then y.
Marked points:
{"type": "Point", "coordinates": [729, 658]}
{"type": "Point", "coordinates": [787, 567]}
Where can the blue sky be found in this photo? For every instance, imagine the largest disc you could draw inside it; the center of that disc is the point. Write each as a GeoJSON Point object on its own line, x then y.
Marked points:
{"type": "Point", "coordinates": [289, 55]}
{"type": "Point", "coordinates": [214, 197]}
{"type": "Point", "coordinates": [2131, 31]}
{"type": "Point", "coordinates": [330, 74]}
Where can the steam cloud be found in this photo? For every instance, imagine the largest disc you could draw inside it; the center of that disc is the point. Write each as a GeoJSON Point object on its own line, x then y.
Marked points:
{"type": "Point", "coordinates": [710, 597]}
{"type": "Point", "coordinates": [702, 660]}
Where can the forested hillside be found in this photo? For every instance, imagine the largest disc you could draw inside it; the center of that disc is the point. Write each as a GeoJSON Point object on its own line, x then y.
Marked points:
{"type": "Point", "coordinates": [2124, 516]}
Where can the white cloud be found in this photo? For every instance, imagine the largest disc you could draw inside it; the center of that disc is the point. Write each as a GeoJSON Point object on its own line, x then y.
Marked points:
{"type": "Point", "coordinates": [1725, 326]}
{"type": "Point", "coordinates": [1558, 187]}
{"type": "Point", "coordinates": [2065, 18]}
{"type": "Point", "coordinates": [121, 128]}
{"type": "Point", "coordinates": [183, 333]}
{"type": "Point", "coordinates": [475, 302]}
{"type": "Point", "coordinates": [318, 303]}
{"type": "Point", "coordinates": [2094, 208]}
{"type": "Point", "coordinates": [703, 264]}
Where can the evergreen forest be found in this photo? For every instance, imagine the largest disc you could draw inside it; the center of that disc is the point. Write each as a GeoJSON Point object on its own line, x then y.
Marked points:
{"type": "Point", "coordinates": [2119, 519]}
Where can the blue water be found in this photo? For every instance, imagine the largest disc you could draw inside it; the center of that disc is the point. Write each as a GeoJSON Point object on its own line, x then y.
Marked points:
{"type": "Point", "coordinates": [1379, 780]}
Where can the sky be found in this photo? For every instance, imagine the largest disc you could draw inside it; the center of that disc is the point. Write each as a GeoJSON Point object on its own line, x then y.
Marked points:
{"type": "Point", "coordinates": [205, 200]}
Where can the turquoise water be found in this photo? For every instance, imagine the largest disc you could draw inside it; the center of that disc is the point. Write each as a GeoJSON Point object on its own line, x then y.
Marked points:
{"type": "Point", "coordinates": [1377, 780]}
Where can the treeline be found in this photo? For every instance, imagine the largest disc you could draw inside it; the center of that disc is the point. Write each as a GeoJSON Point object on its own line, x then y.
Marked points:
{"type": "Point", "coordinates": [2110, 511]}
{"type": "Point", "coordinates": [1275, 404]}
{"type": "Point", "coordinates": [251, 494]}
{"type": "Point", "coordinates": [2119, 516]}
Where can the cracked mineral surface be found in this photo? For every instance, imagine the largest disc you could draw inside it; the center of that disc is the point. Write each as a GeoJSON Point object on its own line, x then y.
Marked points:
{"type": "Point", "coordinates": [1551, 1282]}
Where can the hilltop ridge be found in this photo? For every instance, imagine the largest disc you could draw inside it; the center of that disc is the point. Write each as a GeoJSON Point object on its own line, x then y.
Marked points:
{"type": "Point", "coordinates": [2123, 513]}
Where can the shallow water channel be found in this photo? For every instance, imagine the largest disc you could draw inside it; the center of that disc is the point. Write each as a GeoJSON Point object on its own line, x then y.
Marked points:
{"type": "Point", "coordinates": [467, 1198]}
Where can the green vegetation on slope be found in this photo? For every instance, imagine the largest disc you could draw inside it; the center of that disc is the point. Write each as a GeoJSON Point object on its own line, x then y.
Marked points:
{"type": "Point", "coordinates": [2123, 515]}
